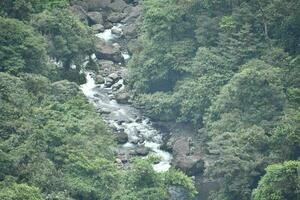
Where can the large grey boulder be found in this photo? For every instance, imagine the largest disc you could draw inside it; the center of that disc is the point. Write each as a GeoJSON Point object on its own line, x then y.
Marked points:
{"type": "Point", "coordinates": [185, 159]}
{"type": "Point", "coordinates": [121, 137]}
{"type": "Point", "coordinates": [116, 17]}
{"type": "Point", "coordinates": [123, 97]}
{"type": "Point", "coordinates": [118, 5]}
{"type": "Point", "coordinates": [108, 52]}
{"type": "Point", "coordinates": [97, 5]}
{"type": "Point", "coordinates": [95, 18]}
{"type": "Point", "coordinates": [98, 28]}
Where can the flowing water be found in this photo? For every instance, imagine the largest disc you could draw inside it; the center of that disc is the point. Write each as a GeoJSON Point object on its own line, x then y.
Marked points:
{"type": "Point", "coordinates": [125, 117]}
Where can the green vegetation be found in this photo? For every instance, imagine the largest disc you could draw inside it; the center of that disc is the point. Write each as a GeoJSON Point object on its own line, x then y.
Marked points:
{"type": "Point", "coordinates": [230, 69]}
{"type": "Point", "coordinates": [53, 144]}
{"type": "Point", "coordinates": [270, 186]}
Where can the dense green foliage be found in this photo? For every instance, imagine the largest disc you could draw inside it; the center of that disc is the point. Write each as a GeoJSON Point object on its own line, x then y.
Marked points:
{"type": "Point", "coordinates": [70, 41]}
{"type": "Point", "coordinates": [270, 186]}
{"type": "Point", "coordinates": [230, 69]}
{"type": "Point", "coordinates": [21, 48]}
{"type": "Point", "coordinates": [53, 144]}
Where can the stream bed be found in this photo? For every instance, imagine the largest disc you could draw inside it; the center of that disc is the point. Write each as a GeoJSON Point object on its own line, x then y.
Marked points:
{"type": "Point", "coordinates": [125, 117]}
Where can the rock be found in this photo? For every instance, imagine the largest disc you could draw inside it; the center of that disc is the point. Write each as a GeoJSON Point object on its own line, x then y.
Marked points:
{"type": "Point", "coordinates": [130, 31]}
{"type": "Point", "coordinates": [96, 5]}
{"type": "Point", "coordinates": [184, 159]}
{"type": "Point", "coordinates": [117, 86]}
{"type": "Point", "coordinates": [121, 137]}
{"type": "Point", "coordinates": [104, 111]}
{"type": "Point", "coordinates": [95, 18]}
{"type": "Point", "coordinates": [123, 97]}
{"type": "Point", "coordinates": [79, 3]}
{"type": "Point", "coordinates": [108, 52]}
{"type": "Point", "coordinates": [178, 193]}
{"type": "Point", "coordinates": [191, 165]}
{"type": "Point", "coordinates": [114, 77]}
{"type": "Point", "coordinates": [118, 5]}
{"type": "Point", "coordinates": [134, 13]}
{"type": "Point", "coordinates": [117, 31]}
{"type": "Point", "coordinates": [108, 83]}
{"type": "Point", "coordinates": [142, 151]}
{"type": "Point", "coordinates": [123, 158]}
{"type": "Point", "coordinates": [115, 17]}
{"type": "Point", "coordinates": [99, 79]}
{"type": "Point", "coordinates": [98, 28]}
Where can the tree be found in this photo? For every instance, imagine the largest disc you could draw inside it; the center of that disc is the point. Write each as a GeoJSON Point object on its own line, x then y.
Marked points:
{"type": "Point", "coordinates": [21, 48]}
{"type": "Point", "coordinates": [281, 182]}
{"type": "Point", "coordinates": [10, 190]}
{"type": "Point", "coordinates": [69, 40]}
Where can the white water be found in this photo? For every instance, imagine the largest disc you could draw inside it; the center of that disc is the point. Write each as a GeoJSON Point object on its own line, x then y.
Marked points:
{"type": "Point", "coordinates": [135, 130]}
{"type": "Point", "coordinates": [106, 35]}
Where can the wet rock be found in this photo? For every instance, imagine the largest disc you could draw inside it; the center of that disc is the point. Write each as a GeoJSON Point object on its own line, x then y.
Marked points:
{"type": "Point", "coordinates": [184, 158]}
{"type": "Point", "coordinates": [117, 86]}
{"type": "Point", "coordinates": [99, 79]}
{"type": "Point", "coordinates": [114, 77]}
{"type": "Point", "coordinates": [191, 165]}
{"type": "Point", "coordinates": [95, 18]}
{"type": "Point", "coordinates": [98, 28]}
{"type": "Point", "coordinates": [142, 151]}
{"type": "Point", "coordinates": [138, 119]}
{"type": "Point", "coordinates": [104, 111]}
{"type": "Point", "coordinates": [96, 5]}
{"type": "Point", "coordinates": [121, 137]}
{"type": "Point", "coordinates": [130, 31]}
{"type": "Point", "coordinates": [109, 82]}
{"type": "Point", "coordinates": [137, 140]}
{"type": "Point", "coordinates": [117, 31]}
{"type": "Point", "coordinates": [134, 13]}
{"type": "Point", "coordinates": [123, 97]}
{"type": "Point", "coordinates": [118, 5]}
{"type": "Point", "coordinates": [115, 17]}
{"type": "Point", "coordinates": [178, 193]}
{"type": "Point", "coordinates": [108, 52]}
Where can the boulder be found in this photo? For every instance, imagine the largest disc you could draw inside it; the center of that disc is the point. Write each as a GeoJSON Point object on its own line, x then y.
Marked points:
{"type": "Point", "coordinates": [95, 18]}
{"type": "Point", "coordinates": [121, 137]}
{"type": "Point", "coordinates": [108, 52]}
{"type": "Point", "coordinates": [104, 111]}
{"type": "Point", "coordinates": [191, 165]}
{"type": "Point", "coordinates": [130, 31]}
{"type": "Point", "coordinates": [135, 12]}
{"type": "Point", "coordinates": [109, 82]}
{"type": "Point", "coordinates": [114, 77]}
{"type": "Point", "coordinates": [97, 5]}
{"type": "Point", "coordinates": [115, 17]}
{"type": "Point", "coordinates": [99, 79]}
{"type": "Point", "coordinates": [118, 5]}
{"type": "Point", "coordinates": [117, 31]}
{"type": "Point", "coordinates": [142, 151]}
{"type": "Point", "coordinates": [123, 97]}
{"type": "Point", "coordinates": [184, 157]}
{"type": "Point", "coordinates": [98, 28]}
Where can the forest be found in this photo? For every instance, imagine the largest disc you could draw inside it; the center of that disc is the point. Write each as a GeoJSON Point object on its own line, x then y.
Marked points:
{"type": "Point", "coordinates": [229, 69]}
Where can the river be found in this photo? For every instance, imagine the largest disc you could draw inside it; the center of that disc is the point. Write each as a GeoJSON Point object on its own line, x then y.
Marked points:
{"type": "Point", "coordinates": [125, 117]}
